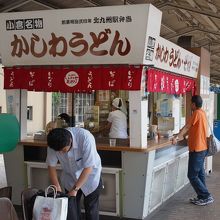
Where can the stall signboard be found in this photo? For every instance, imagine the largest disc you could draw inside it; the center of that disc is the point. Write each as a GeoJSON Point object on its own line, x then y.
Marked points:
{"type": "Point", "coordinates": [171, 57]}
{"type": "Point", "coordinates": [96, 35]}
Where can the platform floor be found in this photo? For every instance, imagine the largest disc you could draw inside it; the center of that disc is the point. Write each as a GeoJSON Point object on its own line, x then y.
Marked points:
{"type": "Point", "coordinates": [178, 206]}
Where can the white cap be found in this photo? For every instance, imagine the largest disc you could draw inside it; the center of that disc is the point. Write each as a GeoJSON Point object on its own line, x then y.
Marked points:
{"type": "Point", "coordinates": [115, 103]}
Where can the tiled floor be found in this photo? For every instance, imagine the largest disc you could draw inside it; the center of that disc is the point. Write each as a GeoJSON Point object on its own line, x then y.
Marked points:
{"type": "Point", "coordinates": [178, 207]}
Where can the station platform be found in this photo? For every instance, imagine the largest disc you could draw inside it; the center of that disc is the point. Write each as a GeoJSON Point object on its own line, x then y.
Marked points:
{"type": "Point", "coordinates": [178, 206]}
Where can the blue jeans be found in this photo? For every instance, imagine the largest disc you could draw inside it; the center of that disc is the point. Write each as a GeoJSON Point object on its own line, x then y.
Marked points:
{"type": "Point", "coordinates": [196, 173]}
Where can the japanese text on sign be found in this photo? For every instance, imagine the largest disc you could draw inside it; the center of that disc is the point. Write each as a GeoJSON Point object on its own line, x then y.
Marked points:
{"type": "Point", "coordinates": [99, 20]}
{"type": "Point", "coordinates": [173, 57]}
{"type": "Point", "coordinates": [79, 46]}
{"type": "Point", "coordinates": [24, 24]}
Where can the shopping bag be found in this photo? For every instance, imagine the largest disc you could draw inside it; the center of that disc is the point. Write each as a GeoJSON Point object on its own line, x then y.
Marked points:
{"type": "Point", "coordinates": [50, 208]}
{"type": "Point", "coordinates": [213, 145]}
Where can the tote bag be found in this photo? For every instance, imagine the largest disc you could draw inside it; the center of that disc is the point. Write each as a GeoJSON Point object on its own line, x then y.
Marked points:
{"type": "Point", "coordinates": [50, 208]}
{"type": "Point", "coordinates": [213, 144]}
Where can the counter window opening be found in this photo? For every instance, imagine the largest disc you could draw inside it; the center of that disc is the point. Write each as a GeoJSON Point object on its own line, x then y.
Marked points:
{"type": "Point", "coordinates": [169, 98]}
{"type": "Point", "coordinates": [167, 114]}
{"type": "Point", "coordinates": [88, 110]}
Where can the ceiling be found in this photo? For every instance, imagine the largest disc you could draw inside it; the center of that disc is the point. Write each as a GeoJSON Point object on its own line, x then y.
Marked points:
{"type": "Point", "coordinates": [199, 19]}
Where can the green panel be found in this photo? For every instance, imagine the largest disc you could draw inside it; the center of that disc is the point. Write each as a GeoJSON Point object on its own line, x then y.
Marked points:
{"type": "Point", "coordinates": [218, 106]}
{"type": "Point", "coordinates": [9, 132]}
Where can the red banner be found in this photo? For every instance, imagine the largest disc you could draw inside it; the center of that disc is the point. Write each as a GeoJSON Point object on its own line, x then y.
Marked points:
{"type": "Point", "coordinates": [13, 78]}
{"type": "Point", "coordinates": [159, 81]}
{"type": "Point", "coordinates": [52, 80]}
{"type": "Point", "coordinates": [131, 78]}
{"type": "Point", "coordinates": [33, 80]}
{"type": "Point", "coordinates": [82, 79]}
{"type": "Point", "coordinates": [112, 77]}
{"type": "Point", "coordinates": [91, 79]}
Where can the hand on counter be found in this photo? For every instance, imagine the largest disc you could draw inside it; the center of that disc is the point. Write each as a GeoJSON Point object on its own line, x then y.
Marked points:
{"type": "Point", "coordinates": [181, 140]}
{"type": "Point", "coordinates": [174, 139]}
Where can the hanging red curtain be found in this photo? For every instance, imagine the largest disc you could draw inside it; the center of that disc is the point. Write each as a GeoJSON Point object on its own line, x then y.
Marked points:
{"type": "Point", "coordinates": [159, 81]}
{"type": "Point", "coordinates": [70, 79]}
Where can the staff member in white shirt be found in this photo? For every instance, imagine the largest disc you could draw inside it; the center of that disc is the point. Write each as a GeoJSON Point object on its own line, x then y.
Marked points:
{"type": "Point", "coordinates": [75, 149]}
{"type": "Point", "coordinates": [117, 120]}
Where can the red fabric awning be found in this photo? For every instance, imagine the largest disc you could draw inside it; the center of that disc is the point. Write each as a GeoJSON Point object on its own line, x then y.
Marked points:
{"type": "Point", "coordinates": [82, 79]}
{"type": "Point", "coordinates": [160, 81]}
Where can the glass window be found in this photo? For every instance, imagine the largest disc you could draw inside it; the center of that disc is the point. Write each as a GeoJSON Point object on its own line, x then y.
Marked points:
{"type": "Point", "coordinates": [59, 104]}
{"type": "Point", "coordinates": [82, 100]}
{"type": "Point", "coordinates": [63, 105]}
{"type": "Point", "coordinates": [65, 102]}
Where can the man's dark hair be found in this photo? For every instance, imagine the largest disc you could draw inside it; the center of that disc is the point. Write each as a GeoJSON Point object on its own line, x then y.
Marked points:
{"type": "Point", "coordinates": [197, 99]}
{"type": "Point", "coordinates": [66, 117]}
{"type": "Point", "coordinates": [58, 138]}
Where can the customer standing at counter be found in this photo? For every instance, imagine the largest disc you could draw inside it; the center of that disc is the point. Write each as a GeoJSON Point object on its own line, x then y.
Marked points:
{"type": "Point", "coordinates": [75, 149]}
{"type": "Point", "coordinates": [66, 118]}
{"type": "Point", "coordinates": [117, 120]}
{"type": "Point", "coordinates": [196, 128]}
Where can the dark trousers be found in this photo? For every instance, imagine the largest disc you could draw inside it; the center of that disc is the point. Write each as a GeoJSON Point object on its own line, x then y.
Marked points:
{"type": "Point", "coordinates": [72, 213]}
{"type": "Point", "coordinates": [196, 173]}
{"type": "Point", "coordinates": [91, 203]}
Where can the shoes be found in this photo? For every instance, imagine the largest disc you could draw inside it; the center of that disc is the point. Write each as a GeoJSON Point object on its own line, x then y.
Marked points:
{"type": "Point", "coordinates": [202, 202]}
{"type": "Point", "coordinates": [192, 200]}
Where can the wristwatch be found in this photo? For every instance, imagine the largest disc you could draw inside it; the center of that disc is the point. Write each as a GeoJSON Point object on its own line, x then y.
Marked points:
{"type": "Point", "coordinates": [75, 188]}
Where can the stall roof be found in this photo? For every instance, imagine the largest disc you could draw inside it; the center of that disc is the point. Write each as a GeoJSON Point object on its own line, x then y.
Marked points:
{"type": "Point", "coordinates": [198, 19]}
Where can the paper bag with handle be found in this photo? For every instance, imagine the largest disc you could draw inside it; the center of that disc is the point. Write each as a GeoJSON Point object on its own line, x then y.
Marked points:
{"type": "Point", "coordinates": [47, 208]}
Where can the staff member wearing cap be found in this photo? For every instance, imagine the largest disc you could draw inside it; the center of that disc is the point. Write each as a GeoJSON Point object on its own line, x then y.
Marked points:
{"type": "Point", "coordinates": [117, 120]}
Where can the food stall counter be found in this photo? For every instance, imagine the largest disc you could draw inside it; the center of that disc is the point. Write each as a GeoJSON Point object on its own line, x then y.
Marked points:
{"type": "Point", "coordinates": [152, 145]}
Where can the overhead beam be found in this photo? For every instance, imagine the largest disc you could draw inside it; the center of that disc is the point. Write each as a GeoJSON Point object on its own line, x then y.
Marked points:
{"type": "Point", "coordinates": [20, 3]}
{"type": "Point", "coordinates": [168, 28]}
{"type": "Point", "coordinates": [190, 30]}
{"type": "Point", "coordinates": [14, 5]}
{"type": "Point", "coordinates": [212, 7]}
{"type": "Point", "coordinates": [205, 17]}
{"type": "Point", "coordinates": [179, 33]}
{"type": "Point", "coordinates": [126, 2]}
{"type": "Point", "coordinates": [215, 72]}
{"type": "Point", "coordinates": [214, 52]}
{"type": "Point", "coordinates": [195, 10]}
{"type": "Point", "coordinates": [92, 2]}
{"type": "Point", "coordinates": [48, 6]}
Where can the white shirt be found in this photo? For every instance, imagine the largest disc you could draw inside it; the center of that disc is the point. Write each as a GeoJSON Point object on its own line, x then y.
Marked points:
{"type": "Point", "coordinates": [119, 124]}
{"type": "Point", "coordinates": [83, 154]}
